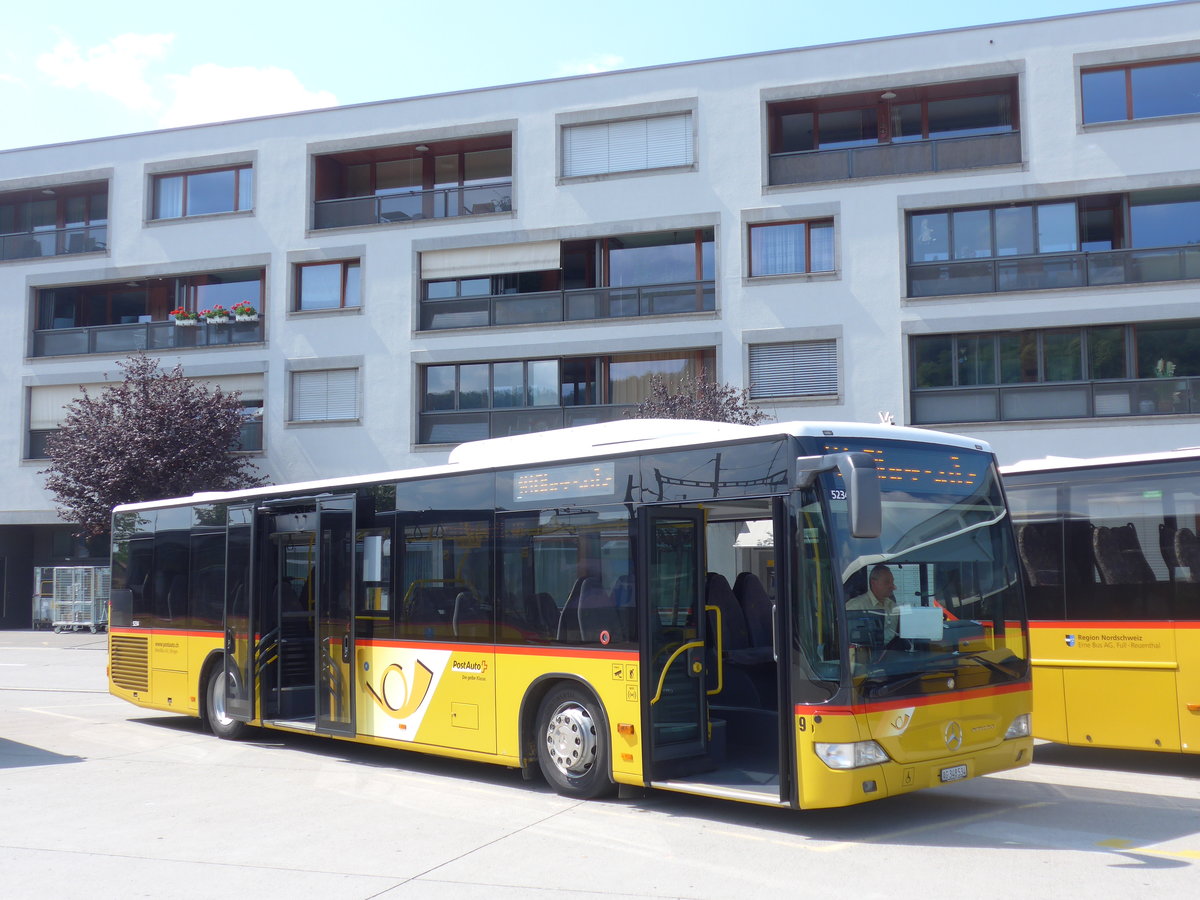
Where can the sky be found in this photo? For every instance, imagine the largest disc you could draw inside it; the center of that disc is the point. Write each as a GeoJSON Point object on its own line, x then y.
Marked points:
{"type": "Point", "coordinates": [72, 70]}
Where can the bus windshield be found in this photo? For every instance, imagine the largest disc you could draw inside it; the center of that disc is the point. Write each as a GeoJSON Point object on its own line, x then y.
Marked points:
{"type": "Point", "coordinates": [935, 602]}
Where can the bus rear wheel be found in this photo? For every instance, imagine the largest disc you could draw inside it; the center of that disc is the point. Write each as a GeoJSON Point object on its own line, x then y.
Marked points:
{"type": "Point", "coordinates": [221, 723]}
{"type": "Point", "coordinates": [573, 744]}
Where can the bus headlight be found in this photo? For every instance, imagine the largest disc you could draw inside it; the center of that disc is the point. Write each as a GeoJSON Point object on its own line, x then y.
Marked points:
{"type": "Point", "coordinates": [1019, 727]}
{"type": "Point", "coordinates": [851, 756]}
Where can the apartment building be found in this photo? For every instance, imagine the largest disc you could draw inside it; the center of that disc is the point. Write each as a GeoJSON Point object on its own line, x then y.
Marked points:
{"type": "Point", "coordinates": [991, 230]}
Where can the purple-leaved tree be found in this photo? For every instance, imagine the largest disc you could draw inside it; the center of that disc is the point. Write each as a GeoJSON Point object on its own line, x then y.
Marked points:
{"type": "Point", "coordinates": [698, 398]}
{"type": "Point", "coordinates": [156, 434]}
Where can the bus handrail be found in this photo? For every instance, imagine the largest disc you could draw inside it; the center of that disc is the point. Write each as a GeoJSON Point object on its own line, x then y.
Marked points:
{"type": "Point", "coordinates": [663, 675]}
{"type": "Point", "coordinates": [720, 653]}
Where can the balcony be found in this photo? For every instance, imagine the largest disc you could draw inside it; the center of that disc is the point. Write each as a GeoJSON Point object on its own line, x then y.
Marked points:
{"type": "Point", "coordinates": [1059, 270]}
{"type": "Point", "coordinates": [579, 305]}
{"type": "Point", "coordinates": [153, 336]}
{"type": "Point", "coordinates": [907, 158]}
{"type": "Point", "coordinates": [460, 426]}
{"type": "Point", "coordinates": [54, 242]}
{"type": "Point", "coordinates": [1080, 400]}
{"type": "Point", "coordinates": [442, 203]}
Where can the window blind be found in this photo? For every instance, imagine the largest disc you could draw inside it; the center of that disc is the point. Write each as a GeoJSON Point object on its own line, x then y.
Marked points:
{"type": "Point", "coordinates": [628, 146]}
{"type": "Point", "coordinates": [796, 369]}
{"type": "Point", "coordinates": [324, 395]}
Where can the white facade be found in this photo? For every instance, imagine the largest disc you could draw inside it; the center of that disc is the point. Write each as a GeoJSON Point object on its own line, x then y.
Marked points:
{"type": "Point", "coordinates": [694, 146]}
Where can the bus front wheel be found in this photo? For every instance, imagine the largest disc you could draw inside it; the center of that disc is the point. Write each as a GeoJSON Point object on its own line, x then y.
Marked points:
{"type": "Point", "coordinates": [221, 723]}
{"type": "Point", "coordinates": [573, 744]}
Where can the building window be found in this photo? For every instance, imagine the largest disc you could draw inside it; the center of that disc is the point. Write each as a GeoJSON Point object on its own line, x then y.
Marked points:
{"type": "Point", "coordinates": [82, 318]}
{"type": "Point", "coordinates": [441, 179]}
{"type": "Point", "coordinates": [794, 369]}
{"type": "Point", "coordinates": [789, 248]}
{"type": "Point", "coordinates": [48, 405]}
{"type": "Point", "coordinates": [333, 285]}
{"type": "Point", "coordinates": [203, 193]}
{"type": "Point", "coordinates": [54, 221]}
{"type": "Point", "coordinates": [628, 146]}
{"type": "Point", "coordinates": [470, 401]}
{"type": "Point", "coordinates": [1094, 371]}
{"type": "Point", "coordinates": [898, 131]}
{"type": "Point", "coordinates": [654, 273]}
{"type": "Point", "coordinates": [1133, 238]}
{"type": "Point", "coordinates": [1141, 91]}
{"type": "Point", "coordinates": [325, 395]}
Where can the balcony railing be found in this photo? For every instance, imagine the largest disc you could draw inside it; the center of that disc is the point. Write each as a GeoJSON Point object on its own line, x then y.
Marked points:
{"type": "Point", "coordinates": [1078, 400]}
{"type": "Point", "coordinates": [142, 336]}
{"type": "Point", "coordinates": [1059, 270]}
{"type": "Point", "coordinates": [907, 158]}
{"type": "Point", "coordinates": [31, 244]}
{"type": "Point", "coordinates": [462, 425]}
{"type": "Point", "coordinates": [443, 203]}
{"type": "Point", "coordinates": [569, 306]}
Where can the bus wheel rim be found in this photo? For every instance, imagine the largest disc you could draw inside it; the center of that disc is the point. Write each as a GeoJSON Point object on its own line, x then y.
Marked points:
{"type": "Point", "coordinates": [571, 739]}
{"type": "Point", "coordinates": [218, 700]}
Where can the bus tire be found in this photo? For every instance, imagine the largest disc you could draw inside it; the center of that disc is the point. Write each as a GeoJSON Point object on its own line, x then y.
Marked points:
{"type": "Point", "coordinates": [222, 725]}
{"type": "Point", "coordinates": [572, 744]}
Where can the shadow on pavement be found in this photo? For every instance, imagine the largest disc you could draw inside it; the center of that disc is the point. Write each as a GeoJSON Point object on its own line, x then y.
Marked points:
{"type": "Point", "coordinates": [14, 755]}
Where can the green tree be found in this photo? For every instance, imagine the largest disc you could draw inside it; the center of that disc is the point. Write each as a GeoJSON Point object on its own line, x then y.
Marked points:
{"type": "Point", "coordinates": [698, 398]}
{"type": "Point", "coordinates": [156, 434]}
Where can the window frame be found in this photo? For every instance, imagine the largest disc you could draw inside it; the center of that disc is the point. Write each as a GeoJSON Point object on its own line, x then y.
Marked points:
{"type": "Point", "coordinates": [238, 170]}
{"type": "Point", "coordinates": [883, 109]}
{"type": "Point", "coordinates": [821, 346]}
{"type": "Point", "coordinates": [568, 170]}
{"type": "Point", "coordinates": [344, 273]}
{"type": "Point", "coordinates": [297, 375]}
{"type": "Point", "coordinates": [823, 222]}
{"type": "Point", "coordinates": [1128, 68]}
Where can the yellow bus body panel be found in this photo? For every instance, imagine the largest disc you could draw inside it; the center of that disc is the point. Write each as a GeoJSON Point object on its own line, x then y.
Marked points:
{"type": "Point", "coordinates": [926, 741]}
{"type": "Point", "coordinates": [1121, 685]}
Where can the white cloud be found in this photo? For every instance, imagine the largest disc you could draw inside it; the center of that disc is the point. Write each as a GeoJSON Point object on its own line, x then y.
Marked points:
{"type": "Point", "coordinates": [116, 69]}
{"type": "Point", "coordinates": [606, 62]}
{"type": "Point", "coordinates": [212, 93]}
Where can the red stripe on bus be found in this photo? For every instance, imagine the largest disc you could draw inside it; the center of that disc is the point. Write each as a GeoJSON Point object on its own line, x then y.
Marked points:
{"type": "Point", "coordinates": [504, 649]}
{"type": "Point", "coordinates": [1139, 624]}
{"type": "Point", "coordinates": [900, 703]}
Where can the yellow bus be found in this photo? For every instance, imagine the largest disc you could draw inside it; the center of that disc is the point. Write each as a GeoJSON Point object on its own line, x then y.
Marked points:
{"type": "Point", "coordinates": [1111, 557]}
{"type": "Point", "coordinates": [642, 603]}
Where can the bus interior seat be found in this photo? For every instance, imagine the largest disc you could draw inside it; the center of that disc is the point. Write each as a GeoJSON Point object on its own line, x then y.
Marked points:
{"type": "Point", "coordinates": [568, 616]}
{"type": "Point", "coordinates": [735, 634]}
{"type": "Point", "coordinates": [626, 604]}
{"type": "Point", "coordinates": [739, 688]}
{"type": "Point", "coordinates": [1039, 545]}
{"type": "Point", "coordinates": [469, 619]}
{"type": "Point", "coordinates": [431, 612]}
{"type": "Point", "coordinates": [756, 607]}
{"type": "Point", "coordinates": [1118, 555]}
{"type": "Point", "coordinates": [598, 614]}
{"type": "Point", "coordinates": [1187, 552]}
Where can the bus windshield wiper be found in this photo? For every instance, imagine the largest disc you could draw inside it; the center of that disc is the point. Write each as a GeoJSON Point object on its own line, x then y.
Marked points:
{"type": "Point", "coordinates": [885, 688]}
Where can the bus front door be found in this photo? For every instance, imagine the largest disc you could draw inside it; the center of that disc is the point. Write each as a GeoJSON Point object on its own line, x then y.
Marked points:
{"type": "Point", "coordinates": [675, 683]}
{"type": "Point", "coordinates": [239, 613]}
{"type": "Point", "coordinates": [335, 615]}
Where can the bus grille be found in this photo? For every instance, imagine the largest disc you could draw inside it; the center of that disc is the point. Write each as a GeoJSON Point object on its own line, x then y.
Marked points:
{"type": "Point", "coordinates": [129, 657]}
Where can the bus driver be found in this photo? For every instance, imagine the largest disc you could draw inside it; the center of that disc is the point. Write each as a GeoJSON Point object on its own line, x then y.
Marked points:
{"type": "Point", "coordinates": [880, 595]}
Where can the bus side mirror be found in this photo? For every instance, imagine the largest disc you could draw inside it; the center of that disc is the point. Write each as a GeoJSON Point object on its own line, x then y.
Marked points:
{"type": "Point", "coordinates": [861, 479]}
{"type": "Point", "coordinates": [863, 494]}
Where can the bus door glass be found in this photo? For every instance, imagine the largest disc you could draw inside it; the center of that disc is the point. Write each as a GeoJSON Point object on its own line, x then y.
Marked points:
{"type": "Point", "coordinates": [674, 642]}
{"type": "Point", "coordinates": [335, 615]}
{"type": "Point", "coordinates": [239, 613]}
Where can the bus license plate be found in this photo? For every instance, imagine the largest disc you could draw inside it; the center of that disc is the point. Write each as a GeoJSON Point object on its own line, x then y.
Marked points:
{"type": "Point", "coordinates": [953, 773]}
